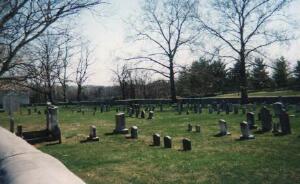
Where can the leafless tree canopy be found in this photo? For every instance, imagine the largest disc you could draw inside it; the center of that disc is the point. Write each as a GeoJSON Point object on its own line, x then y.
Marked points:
{"type": "Point", "coordinates": [22, 21]}
{"type": "Point", "coordinates": [167, 26]}
{"type": "Point", "coordinates": [246, 27]}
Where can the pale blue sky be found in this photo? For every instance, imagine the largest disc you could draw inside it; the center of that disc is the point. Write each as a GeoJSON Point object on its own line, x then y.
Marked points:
{"type": "Point", "coordinates": [108, 35]}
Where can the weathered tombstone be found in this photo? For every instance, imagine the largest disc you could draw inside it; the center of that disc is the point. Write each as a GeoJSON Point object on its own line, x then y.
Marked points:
{"type": "Point", "coordinates": [19, 131]}
{"type": "Point", "coordinates": [198, 128]}
{"type": "Point", "coordinates": [266, 119]}
{"type": "Point", "coordinates": [284, 121]}
{"type": "Point", "coordinates": [186, 144]}
{"type": "Point", "coordinates": [179, 108]}
{"type": "Point", "coordinates": [120, 124]}
{"type": "Point", "coordinates": [223, 128]}
{"type": "Point", "coordinates": [167, 142]}
{"type": "Point", "coordinates": [150, 116]}
{"type": "Point", "coordinates": [156, 139]}
{"type": "Point", "coordinates": [227, 110]}
{"type": "Point", "coordinates": [52, 121]}
{"type": "Point", "coordinates": [131, 112]}
{"type": "Point", "coordinates": [11, 104]}
{"type": "Point", "coordinates": [236, 109]}
{"type": "Point", "coordinates": [134, 132]}
{"type": "Point", "coordinates": [245, 130]}
{"type": "Point", "coordinates": [137, 113]}
{"type": "Point", "coordinates": [251, 120]}
{"type": "Point", "coordinates": [143, 114]}
{"type": "Point", "coordinates": [190, 127]}
{"type": "Point", "coordinates": [278, 108]}
{"type": "Point", "coordinates": [93, 134]}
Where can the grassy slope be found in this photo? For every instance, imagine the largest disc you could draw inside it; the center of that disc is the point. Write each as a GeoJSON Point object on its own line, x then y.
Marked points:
{"type": "Point", "coordinates": [267, 159]}
{"type": "Point", "coordinates": [264, 93]}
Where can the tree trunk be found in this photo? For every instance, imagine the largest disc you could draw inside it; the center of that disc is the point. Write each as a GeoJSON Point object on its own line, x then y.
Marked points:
{"type": "Point", "coordinates": [243, 80]}
{"type": "Point", "coordinates": [79, 88]}
{"type": "Point", "coordinates": [172, 82]}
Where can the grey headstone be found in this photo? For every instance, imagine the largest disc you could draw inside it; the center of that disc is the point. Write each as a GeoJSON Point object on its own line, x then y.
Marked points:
{"type": "Point", "coordinates": [251, 120]}
{"type": "Point", "coordinates": [186, 144]}
{"type": "Point", "coordinates": [156, 140]}
{"type": "Point", "coordinates": [266, 119]}
{"type": "Point", "coordinates": [245, 130]}
{"type": "Point", "coordinates": [167, 142]}
{"type": "Point", "coordinates": [120, 124]}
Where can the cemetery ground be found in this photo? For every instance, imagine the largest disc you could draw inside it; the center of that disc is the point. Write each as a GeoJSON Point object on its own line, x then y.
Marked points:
{"type": "Point", "coordinates": [115, 159]}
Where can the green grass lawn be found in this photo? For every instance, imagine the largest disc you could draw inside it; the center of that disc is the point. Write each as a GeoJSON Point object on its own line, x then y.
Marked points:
{"type": "Point", "coordinates": [263, 93]}
{"type": "Point", "coordinates": [115, 159]}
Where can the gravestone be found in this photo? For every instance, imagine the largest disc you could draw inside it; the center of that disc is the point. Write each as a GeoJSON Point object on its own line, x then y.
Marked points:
{"type": "Point", "coordinates": [198, 128]}
{"type": "Point", "coordinates": [236, 109]}
{"type": "Point", "coordinates": [227, 110]}
{"type": "Point", "coordinates": [134, 132]}
{"type": "Point", "coordinates": [251, 120]}
{"type": "Point", "coordinates": [156, 139]}
{"type": "Point", "coordinates": [266, 119]}
{"type": "Point", "coordinates": [167, 142]}
{"type": "Point", "coordinates": [11, 104]}
{"type": "Point", "coordinates": [284, 121]}
{"type": "Point", "coordinates": [278, 107]}
{"type": "Point", "coordinates": [143, 114]}
{"type": "Point", "coordinates": [93, 134]}
{"type": "Point", "coordinates": [223, 128]}
{"type": "Point", "coordinates": [19, 132]}
{"type": "Point", "coordinates": [137, 113]}
{"type": "Point", "coordinates": [186, 144]}
{"type": "Point", "coordinates": [52, 121]}
{"type": "Point", "coordinates": [150, 116]}
{"type": "Point", "coordinates": [245, 130]}
{"type": "Point", "coordinates": [190, 127]}
{"type": "Point", "coordinates": [120, 124]}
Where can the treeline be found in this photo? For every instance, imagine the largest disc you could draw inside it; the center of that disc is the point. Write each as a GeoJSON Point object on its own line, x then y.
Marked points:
{"type": "Point", "coordinates": [210, 77]}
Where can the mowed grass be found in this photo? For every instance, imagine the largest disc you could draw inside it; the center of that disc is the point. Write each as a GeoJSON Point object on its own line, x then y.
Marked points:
{"type": "Point", "coordinates": [115, 159]}
{"type": "Point", "coordinates": [263, 93]}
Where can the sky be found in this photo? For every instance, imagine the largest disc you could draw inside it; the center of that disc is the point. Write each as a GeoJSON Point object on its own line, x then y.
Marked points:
{"type": "Point", "coordinates": [108, 33]}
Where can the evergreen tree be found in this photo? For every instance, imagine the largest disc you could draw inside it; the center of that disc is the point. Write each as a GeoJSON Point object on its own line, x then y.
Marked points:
{"type": "Point", "coordinates": [280, 74]}
{"type": "Point", "coordinates": [297, 74]}
{"type": "Point", "coordinates": [259, 75]}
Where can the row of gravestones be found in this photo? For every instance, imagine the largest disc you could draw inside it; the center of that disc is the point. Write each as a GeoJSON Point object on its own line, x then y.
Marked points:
{"type": "Point", "coordinates": [121, 129]}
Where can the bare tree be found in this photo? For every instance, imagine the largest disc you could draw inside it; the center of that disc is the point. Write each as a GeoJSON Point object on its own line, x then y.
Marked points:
{"type": "Point", "coordinates": [81, 74]}
{"type": "Point", "coordinates": [245, 27]}
{"type": "Point", "coordinates": [166, 25]}
{"type": "Point", "coordinates": [121, 75]}
{"type": "Point", "coordinates": [47, 58]}
{"type": "Point", "coordinates": [23, 21]}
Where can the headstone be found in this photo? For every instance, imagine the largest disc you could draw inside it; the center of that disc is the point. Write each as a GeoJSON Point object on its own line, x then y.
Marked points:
{"type": "Point", "coordinates": [137, 113]}
{"type": "Point", "coordinates": [266, 119]}
{"type": "Point", "coordinates": [167, 142]}
{"type": "Point", "coordinates": [53, 117]}
{"type": "Point", "coordinates": [278, 108]}
{"type": "Point", "coordinates": [284, 121]}
{"type": "Point", "coordinates": [134, 132]}
{"type": "Point", "coordinates": [198, 128]}
{"type": "Point", "coordinates": [143, 114]}
{"type": "Point", "coordinates": [190, 127]}
{"type": "Point", "coordinates": [120, 124]}
{"type": "Point", "coordinates": [150, 116]}
{"type": "Point", "coordinates": [227, 110]}
{"type": "Point", "coordinates": [156, 140]}
{"type": "Point", "coordinates": [246, 134]}
{"type": "Point", "coordinates": [19, 131]}
{"type": "Point", "coordinates": [186, 144]}
{"type": "Point", "coordinates": [93, 134]}
{"type": "Point", "coordinates": [251, 120]}
{"type": "Point", "coordinates": [223, 128]}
